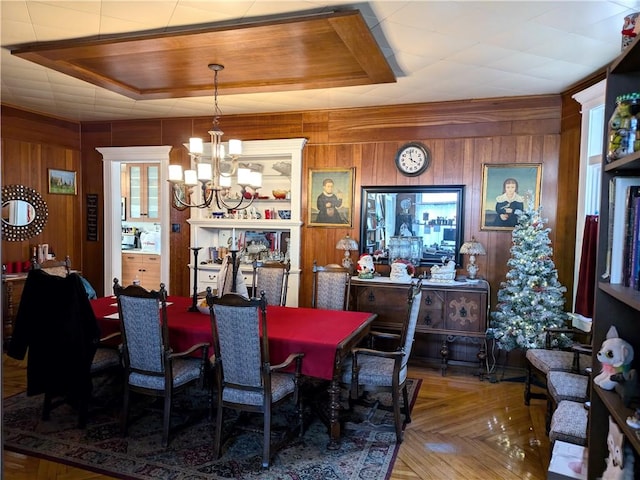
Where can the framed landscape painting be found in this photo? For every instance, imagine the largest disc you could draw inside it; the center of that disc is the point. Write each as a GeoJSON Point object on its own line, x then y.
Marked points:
{"type": "Point", "coordinates": [507, 188]}
{"type": "Point", "coordinates": [62, 182]}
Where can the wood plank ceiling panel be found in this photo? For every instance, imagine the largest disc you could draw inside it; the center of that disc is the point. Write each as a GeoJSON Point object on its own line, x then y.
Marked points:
{"type": "Point", "coordinates": [316, 51]}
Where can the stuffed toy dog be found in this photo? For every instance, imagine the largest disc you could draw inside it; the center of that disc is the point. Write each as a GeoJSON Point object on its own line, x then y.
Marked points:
{"type": "Point", "coordinates": [615, 355]}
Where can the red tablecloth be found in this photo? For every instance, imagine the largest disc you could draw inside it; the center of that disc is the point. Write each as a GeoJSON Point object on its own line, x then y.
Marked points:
{"type": "Point", "coordinates": [315, 332]}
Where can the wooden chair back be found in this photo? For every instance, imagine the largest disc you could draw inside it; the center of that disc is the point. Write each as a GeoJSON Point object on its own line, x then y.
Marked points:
{"type": "Point", "coordinates": [61, 268]}
{"type": "Point", "coordinates": [273, 279]}
{"type": "Point", "coordinates": [145, 337]}
{"type": "Point", "coordinates": [331, 285]}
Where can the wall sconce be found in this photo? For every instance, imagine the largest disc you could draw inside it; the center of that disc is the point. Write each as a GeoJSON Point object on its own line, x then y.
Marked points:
{"type": "Point", "coordinates": [347, 244]}
{"type": "Point", "coordinates": [472, 249]}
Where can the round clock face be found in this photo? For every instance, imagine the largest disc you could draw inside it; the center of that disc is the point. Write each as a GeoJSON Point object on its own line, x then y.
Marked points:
{"type": "Point", "coordinates": [412, 159]}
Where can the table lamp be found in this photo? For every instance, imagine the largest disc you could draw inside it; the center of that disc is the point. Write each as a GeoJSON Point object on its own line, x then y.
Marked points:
{"type": "Point", "coordinates": [472, 249]}
{"type": "Point", "coordinates": [347, 244]}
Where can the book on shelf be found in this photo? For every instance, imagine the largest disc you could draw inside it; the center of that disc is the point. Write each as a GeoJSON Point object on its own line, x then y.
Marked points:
{"type": "Point", "coordinates": [634, 270]}
{"type": "Point", "coordinates": [633, 192]}
{"type": "Point", "coordinates": [619, 219]}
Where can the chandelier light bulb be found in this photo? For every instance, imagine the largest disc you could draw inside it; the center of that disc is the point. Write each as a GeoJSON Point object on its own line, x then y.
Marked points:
{"type": "Point", "coordinates": [196, 146]}
{"type": "Point", "coordinates": [190, 177]}
{"type": "Point", "coordinates": [175, 173]}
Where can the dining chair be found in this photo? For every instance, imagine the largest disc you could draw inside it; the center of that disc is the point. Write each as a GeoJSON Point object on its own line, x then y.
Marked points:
{"type": "Point", "coordinates": [376, 370]}
{"type": "Point", "coordinates": [331, 285]}
{"type": "Point", "coordinates": [573, 358]}
{"type": "Point", "coordinates": [273, 279]}
{"type": "Point", "coordinates": [244, 376]}
{"type": "Point", "coordinates": [150, 365]}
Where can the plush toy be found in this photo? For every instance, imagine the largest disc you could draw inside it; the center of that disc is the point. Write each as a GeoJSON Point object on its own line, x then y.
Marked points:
{"type": "Point", "coordinates": [615, 355]}
{"type": "Point", "coordinates": [365, 266]}
{"type": "Point", "coordinates": [620, 460]}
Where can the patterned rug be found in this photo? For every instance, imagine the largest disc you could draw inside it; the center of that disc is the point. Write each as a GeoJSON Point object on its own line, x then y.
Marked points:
{"type": "Point", "coordinates": [367, 451]}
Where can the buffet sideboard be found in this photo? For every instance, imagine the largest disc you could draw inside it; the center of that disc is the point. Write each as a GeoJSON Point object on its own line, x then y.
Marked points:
{"type": "Point", "coordinates": [452, 320]}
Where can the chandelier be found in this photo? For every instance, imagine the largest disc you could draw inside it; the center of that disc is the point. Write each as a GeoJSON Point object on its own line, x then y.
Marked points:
{"type": "Point", "coordinates": [215, 169]}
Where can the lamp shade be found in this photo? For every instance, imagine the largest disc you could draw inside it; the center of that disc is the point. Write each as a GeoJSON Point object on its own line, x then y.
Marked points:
{"type": "Point", "coordinates": [472, 248]}
{"type": "Point", "coordinates": [347, 243]}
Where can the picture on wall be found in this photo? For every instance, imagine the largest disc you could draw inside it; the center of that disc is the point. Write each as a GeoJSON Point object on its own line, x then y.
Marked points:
{"type": "Point", "coordinates": [62, 182]}
{"type": "Point", "coordinates": [507, 188]}
{"type": "Point", "coordinates": [330, 199]}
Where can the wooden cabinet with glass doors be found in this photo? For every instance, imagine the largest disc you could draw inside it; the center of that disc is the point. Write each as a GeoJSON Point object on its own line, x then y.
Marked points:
{"type": "Point", "coordinates": [140, 189]}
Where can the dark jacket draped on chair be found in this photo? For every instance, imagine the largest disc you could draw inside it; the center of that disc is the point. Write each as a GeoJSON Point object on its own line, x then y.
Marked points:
{"type": "Point", "coordinates": [56, 323]}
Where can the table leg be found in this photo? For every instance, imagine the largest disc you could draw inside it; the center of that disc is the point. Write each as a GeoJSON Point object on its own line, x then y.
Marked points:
{"type": "Point", "coordinates": [334, 414]}
{"type": "Point", "coordinates": [444, 353]}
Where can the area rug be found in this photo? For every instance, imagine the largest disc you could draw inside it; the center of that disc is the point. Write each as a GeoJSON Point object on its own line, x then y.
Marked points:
{"type": "Point", "coordinates": [366, 450]}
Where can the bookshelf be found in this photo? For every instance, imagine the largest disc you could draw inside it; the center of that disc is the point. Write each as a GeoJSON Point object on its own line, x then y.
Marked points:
{"type": "Point", "coordinates": [615, 303]}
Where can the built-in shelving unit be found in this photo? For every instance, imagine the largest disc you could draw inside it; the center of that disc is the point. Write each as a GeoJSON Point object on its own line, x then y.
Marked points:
{"type": "Point", "coordinates": [281, 162]}
{"type": "Point", "coordinates": [615, 304]}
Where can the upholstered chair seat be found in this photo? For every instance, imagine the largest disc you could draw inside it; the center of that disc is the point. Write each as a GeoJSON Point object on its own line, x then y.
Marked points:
{"type": "Point", "coordinates": [569, 423]}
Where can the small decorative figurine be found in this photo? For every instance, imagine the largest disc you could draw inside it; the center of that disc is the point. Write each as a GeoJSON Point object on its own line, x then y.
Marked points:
{"type": "Point", "coordinates": [399, 272]}
{"type": "Point", "coordinates": [634, 420]}
{"type": "Point", "coordinates": [620, 460]}
{"type": "Point", "coordinates": [365, 266]}
{"type": "Point", "coordinates": [615, 355]}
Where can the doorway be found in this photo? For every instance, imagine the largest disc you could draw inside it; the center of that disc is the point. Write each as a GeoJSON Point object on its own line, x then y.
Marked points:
{"type": "Point", "coordinates": [113, 159]}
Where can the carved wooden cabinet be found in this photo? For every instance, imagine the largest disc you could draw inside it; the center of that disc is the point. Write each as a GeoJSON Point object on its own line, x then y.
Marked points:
{"type": "Point", "coordinates": [448, 313]}
{"type": "Point", "coordinates": [12, 286]}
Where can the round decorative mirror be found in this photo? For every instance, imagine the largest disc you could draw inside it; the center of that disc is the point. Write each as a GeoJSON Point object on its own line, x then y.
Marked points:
{"type": "Point", "coordinates": [24, 213]}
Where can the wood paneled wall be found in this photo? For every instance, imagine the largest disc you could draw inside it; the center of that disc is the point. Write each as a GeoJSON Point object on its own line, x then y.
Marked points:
{"type": "Point", "coordinates": [32, 144]}
{"type": "Point", "coordinates": [462, 137]}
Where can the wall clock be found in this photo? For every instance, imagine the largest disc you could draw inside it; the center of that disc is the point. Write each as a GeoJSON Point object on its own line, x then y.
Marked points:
{"type": "Point", "coordinates": [413, 159]}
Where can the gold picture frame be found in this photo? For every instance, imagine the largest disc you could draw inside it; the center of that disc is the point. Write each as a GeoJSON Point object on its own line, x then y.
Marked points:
{"type": "Point", "coordinates": [330, 197]}
{"type": "Point", "coordinates": [507, 188]}
{"type": "Point", "coordinates": [63, 182]}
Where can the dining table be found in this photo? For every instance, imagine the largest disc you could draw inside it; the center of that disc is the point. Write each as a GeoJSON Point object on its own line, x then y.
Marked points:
{"type": "Point", "coordinates": [326, 338]}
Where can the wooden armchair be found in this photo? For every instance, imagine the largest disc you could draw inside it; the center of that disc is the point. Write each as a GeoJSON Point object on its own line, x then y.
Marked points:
{"type": "Point", "coordinates": [331, 285]}
{"type": "Point", "coordinates": [387, 370]}
{"type": "Point", "coordinates": [540, 361]}
{"type": "Point", "coordinates": [245, 378]}
{"type": "Point", "coordinates": [273, 279]}
{"type": "Point", "coordinates": [150, 365]}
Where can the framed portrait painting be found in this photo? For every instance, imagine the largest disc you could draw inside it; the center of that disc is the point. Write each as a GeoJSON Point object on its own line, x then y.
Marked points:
{"type": "Point", "coordinates": [507, 188]}
{"type": "Point", "coordinates": [62, 182]}
{"type": "Point", "coordinates": [330, 198]}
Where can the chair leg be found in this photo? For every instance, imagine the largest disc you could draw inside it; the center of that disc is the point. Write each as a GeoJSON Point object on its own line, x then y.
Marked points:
{"type": "Point", "coordinates": [527, 385]}
{"type": "Point", "coordinates": [217, 442]}
{"type": "Point", "coordinates": [167, 419]}
{"type": "Point", "coordinates": [46, 406]}
{"type": "Point", "coordinates": [125, 410]}
{"type": "Point", "coordinates": [407, 410]}
{"type": "Point", "coordinates": [395, 394]}
{"type": "Point", "coordinates": [266, 448]}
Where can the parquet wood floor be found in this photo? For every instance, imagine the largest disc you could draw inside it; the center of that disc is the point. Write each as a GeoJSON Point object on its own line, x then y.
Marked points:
{"type": "Point", "coordinates": [463, 428]}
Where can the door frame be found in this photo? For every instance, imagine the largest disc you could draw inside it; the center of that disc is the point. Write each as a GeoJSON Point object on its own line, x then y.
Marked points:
{"type": "Point", "coordinates": [113, 158]}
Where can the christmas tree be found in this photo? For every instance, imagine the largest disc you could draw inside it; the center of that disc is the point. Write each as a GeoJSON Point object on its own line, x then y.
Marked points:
{"type": "Point", "coordinates": [531, 299]}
